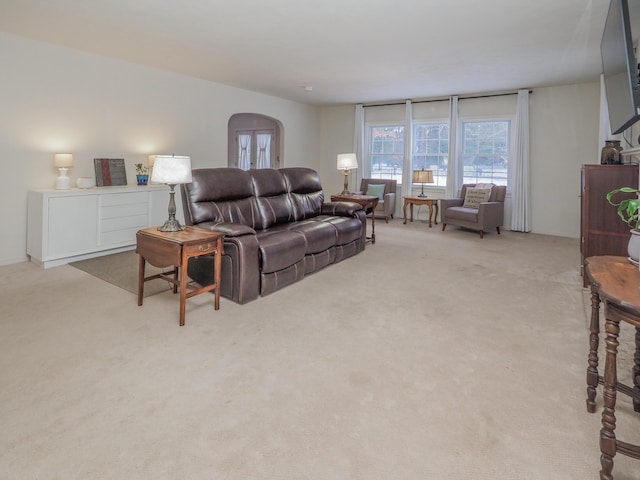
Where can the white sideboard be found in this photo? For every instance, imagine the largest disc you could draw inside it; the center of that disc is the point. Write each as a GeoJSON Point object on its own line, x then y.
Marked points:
{"type": "Point", "coordinates": [68, 225]}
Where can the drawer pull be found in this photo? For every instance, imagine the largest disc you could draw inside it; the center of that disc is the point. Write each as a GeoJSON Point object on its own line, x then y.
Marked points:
{"type": "Point", "coordinates": [205, 248]}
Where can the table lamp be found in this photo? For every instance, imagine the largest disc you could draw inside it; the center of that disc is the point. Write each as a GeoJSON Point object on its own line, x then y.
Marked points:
{"type": "Point", "coordinates": [422, 176]}
{"type": "Point", "coordinates": [63, 161]}
{"type": "Point", "coordinates": [171, 170]}
{"type": "Point", "coordinates": [346, 162]}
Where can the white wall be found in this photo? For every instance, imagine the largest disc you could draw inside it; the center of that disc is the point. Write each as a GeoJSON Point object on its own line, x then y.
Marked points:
{"type": "Point", "coordinates": [564, 135]}
{"type": "Point", "coordinates": [61, 100]}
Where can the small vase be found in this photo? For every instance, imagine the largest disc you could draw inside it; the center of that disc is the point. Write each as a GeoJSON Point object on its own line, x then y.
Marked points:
{"type": "Point", "coordinates": [611, 153]}
{"type": "Point", "coordinates": [633, 247]}
{"type": "Point", "coordinates": [142, 179]}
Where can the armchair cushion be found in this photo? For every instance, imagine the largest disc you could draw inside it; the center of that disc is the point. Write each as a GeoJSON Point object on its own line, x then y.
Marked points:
{"type": "Point", "coordinates": [376, 190]}
{"type": "Point", "coordinates": [475, 196]}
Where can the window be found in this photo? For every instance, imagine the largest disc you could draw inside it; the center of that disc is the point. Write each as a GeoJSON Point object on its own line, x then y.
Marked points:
{"type": "Point", "coordinates": [254, 141]}
{"type": "Point", "coordinates": [431, 149]}
{"type": "Point", "coordinates": [485, 151]}
{"type": "Point", "coordinates": [386, 151]}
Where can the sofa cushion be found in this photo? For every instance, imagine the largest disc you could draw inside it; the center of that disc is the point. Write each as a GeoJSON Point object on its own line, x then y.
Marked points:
{"type": "Point", "coordinates": [305, 190]}
{"type": "Point", "coordinates": [272, 199]}
{"type": "Point", "coordinates": [462, 213]}
{"type": "Point", "coordinates": [376, 190]}
{"type": "Point", "coordinates": [475, 196]}
{"type": "Point", "coordinates": [349, 229]}
{"type": "Point", "coordinates": [318, 236]}
{"type": "Point", "coordinates": [280, 249]}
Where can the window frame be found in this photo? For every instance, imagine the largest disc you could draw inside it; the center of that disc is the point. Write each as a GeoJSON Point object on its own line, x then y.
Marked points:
{"type": "Point", "coordinates": [367, 170]}
{"type": "Point", "coordinates": [510, 119]}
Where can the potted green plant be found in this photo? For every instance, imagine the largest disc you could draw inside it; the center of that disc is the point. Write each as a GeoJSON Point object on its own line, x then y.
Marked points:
{"type": "Point", "coordinates": [142, 174]}
{"type": "Point", "coordinates": [629, 212]}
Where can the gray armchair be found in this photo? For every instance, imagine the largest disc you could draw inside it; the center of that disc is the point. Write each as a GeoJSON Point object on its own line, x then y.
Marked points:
{"type": "Point", "coordinates": [488, 215]}
{"type": "Point", "coordinates": [387, 204]}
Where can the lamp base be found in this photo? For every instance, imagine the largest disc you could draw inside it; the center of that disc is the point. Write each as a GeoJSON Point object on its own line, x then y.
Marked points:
{"type": "Point", "coordinates": [421, 195]}
{"type": "Point", "coordinates": [171, 225]}
{"type": "Point", "coordinates": [346, 191]}
{"type": "Point", "coordinates": [62, 181]}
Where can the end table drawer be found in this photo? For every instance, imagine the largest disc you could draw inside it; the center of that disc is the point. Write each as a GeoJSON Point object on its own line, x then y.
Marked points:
{"type": "Point", "coordinates": [204, 248]}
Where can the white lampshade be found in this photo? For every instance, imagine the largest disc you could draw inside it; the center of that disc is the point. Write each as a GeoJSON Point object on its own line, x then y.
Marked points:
{"type": "Point", "coordinates": [63, 160]}
{"type": "Point", "coordinates": [347, 161]}
{"type": "Point", "coordinates": [171, 169]}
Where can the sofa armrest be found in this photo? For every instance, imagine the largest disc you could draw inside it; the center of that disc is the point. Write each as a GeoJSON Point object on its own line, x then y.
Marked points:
{"type": "Point", "coordinates": [229, 229]}
{"type": "Point", "coordinates": [389, 203]}
{"type": "Point", "coordinates": [491, 214]}
{"type": "Point", "coordinates": [450, 202]}
{"type": "Point", "coordinates": [343, 209]}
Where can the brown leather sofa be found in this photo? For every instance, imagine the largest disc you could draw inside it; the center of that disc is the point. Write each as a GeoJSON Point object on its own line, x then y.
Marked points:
{"type": "Point", "coordinates": [277, 227]}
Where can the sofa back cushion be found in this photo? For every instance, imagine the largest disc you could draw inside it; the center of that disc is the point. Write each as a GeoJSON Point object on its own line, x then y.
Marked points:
{"type": "Point", "coordinates": [305, 191]}
{"type": "Point", "coordinates": [272, 197]}
{"type": "Point", "coordinates": [221, 195]}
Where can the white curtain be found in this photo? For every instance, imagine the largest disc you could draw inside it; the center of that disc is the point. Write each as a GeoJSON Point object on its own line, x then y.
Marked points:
{"type": "Point", "coordinates": [364, 170]}
{"type": "Point", "coordinates": [520, 183]}
{"type": "Point", "coordinates": [244, 157]}
{"type": "Point", "coordinates": [406, 164]}
{"type": "Point", "coordinates": [264, 150]}
{"type": "Point", "coordinates": [454, 171]}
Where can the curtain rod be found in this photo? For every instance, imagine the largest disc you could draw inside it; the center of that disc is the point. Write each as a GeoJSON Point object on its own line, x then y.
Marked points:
{"type": "Point", "coordinates": [442, 99]}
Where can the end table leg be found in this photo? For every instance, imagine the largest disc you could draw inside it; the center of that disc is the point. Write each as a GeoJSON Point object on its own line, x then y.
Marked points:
{"type": "Point", "coordinates": [141, 265]}
{"type": "Point", "coordinates": [183, 292]}
{"type": "Point", "coordinates": [435, 220]}
{"type": "Point", "coordinates": [592, 363]}
{"type": "Point", "coordinates": [430, 213]}
{"type": "Point", "coordinates": [636, 373]}
{"type": "Point", "coordinates": [404, 212]}
{"type": "Point", "coordinates": [217, 265]}
{"type": "Point", "coordinates": [607, 434]}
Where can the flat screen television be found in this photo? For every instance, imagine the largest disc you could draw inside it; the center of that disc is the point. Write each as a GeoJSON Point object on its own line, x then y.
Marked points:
{"type": "Point", "coordinates": [620, 68]}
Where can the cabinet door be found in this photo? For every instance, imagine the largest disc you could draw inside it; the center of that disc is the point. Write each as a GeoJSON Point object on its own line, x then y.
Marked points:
{"type": "Point", "coordinates": [73, 226]}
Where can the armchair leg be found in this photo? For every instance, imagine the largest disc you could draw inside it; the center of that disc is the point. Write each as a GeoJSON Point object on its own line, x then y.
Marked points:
{"type": "Point", "coordinates": [498, 229]}
{"type": "Point", "coordinates": [386, 219]}
{"type": "Point", "coordinates": [481, 233]}
{"type": "Point", "coordinates": [443, 226]}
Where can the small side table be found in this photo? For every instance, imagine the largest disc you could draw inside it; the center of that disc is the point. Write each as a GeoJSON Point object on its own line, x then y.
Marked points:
{"type": "Point", "coordinates": [165, 249]}
{"type": "Point", "coordinates": [411, 201]}
{"type": "Point", "coordinates": [368, 202]}
{"type": "Point", "coordinates": [614, 281]}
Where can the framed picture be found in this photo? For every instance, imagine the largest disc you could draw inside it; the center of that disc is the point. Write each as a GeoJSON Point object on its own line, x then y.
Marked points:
{"type": "Point", "coordinates": [110, 172]}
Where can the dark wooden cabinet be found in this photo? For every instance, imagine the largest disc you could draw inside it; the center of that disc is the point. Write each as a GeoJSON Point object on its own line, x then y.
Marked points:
{"type": "Point", "coordinates": [602, 231]}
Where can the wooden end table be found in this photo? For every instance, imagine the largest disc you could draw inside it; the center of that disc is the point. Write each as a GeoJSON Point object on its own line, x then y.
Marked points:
{"type": "Point", "coordinates": [368, 202]}
{"type": "Point", "coordinates": [411, 201]}
{"type": "Point", "coordinates": [165, 249]}
{"type": "Point", "coordinates": [614, 281]}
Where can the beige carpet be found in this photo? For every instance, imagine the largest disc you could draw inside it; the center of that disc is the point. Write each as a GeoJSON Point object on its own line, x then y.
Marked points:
{"type": "Point", "coordinates": [121, 270]}
{"type": "Point", "coordinates": [431, 355]}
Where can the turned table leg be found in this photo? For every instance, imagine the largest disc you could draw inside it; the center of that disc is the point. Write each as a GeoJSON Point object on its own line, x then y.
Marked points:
{"type": "Point", "coordinates": [607, 434]}
{"type": "Point", "coordinates": [592, 368]}
{"type": "Point", "coordinates": [636, 373]}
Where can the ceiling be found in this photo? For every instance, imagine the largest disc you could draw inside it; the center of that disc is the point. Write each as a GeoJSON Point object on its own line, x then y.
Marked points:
{"type": "Point", "coordinates": [331, 52]}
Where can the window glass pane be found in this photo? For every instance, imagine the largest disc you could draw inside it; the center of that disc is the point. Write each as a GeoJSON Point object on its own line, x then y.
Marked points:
{"type": "Point", "coordinates": [485, 151]}
{"type": "Point", "coordinates": [387, 151]}
{"type": "Point", "coordinates": [431, 150]}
